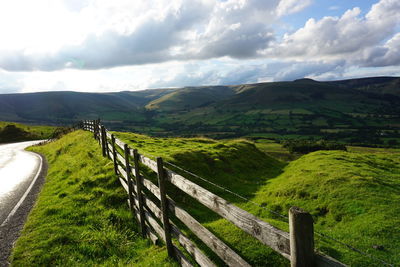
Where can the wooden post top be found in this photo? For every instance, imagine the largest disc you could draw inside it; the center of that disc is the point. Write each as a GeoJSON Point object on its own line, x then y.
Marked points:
{"type": "Point", "coordinates": [301, 238]}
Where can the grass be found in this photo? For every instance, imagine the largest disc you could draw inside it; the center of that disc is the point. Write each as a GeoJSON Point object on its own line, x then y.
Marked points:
{"type": "Point", "coordinates": [81, 217]}
{"type": "Point", "coordinates": [234, 164]}
{"type": "Point", "coordinates": [374, 150]}
{"type": "Point", "coordinates": [274, 149]}
{"type": "Point", "coordinates": [353, 196]}
{"type": "Point", "coordinates": [34, 131]}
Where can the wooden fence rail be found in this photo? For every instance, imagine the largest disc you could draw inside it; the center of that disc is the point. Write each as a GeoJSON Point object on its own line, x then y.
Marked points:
{"type": "Point", "coordinates": [155, 220]}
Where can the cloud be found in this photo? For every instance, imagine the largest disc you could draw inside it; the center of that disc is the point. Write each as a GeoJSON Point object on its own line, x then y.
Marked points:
{"type": "Point", "coordinates": [10, 82]}
{"type": "Point", "coordinates": [149, 40]}
{"type": "Point", "coordinates": [310, 69]}
{"type": "Point", "coordinates": [101, 45]}
{"type": "Point", "coordinates": [223, 71]}
{"type": "Point", "coordinates": [75, 5]}
{"type": "Point", "coordinates": [347, 37]}
{"type": "Point", "coordinates": [385, 55]}
{"type": "Point", "coordinates": [334, 7]}
{"type": "Point", "coordinates": [228, 72]}
{"type": "Point", "coordinates": [287, 7]}
{"type": "Point", "coordinates": [104, 34]}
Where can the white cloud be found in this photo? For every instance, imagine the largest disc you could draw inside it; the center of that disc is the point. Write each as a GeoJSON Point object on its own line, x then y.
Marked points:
{"type": "Point", "coordinates": [385, 55]}
{"type": "Point", "coordinates": [38, 26]}
{"type": "Point", "coordinates": [224, 71]}
{"type": "Point", "coordinates": [310, 69]}
{"type": "Point", "coordinates": [346, 37]}
{"type": "Point", "coordinates": [106, 34]}
{"type": "Point", "coordinates": [102, 45]}
{"type": "Point", "coordinates": [10, 82]}
{"type": "Point", "coordinates": [334, 7]}
{"type": "Point", "coordinates": [56, 34]}
{"type": "Point", "coordinates": [287, 7]}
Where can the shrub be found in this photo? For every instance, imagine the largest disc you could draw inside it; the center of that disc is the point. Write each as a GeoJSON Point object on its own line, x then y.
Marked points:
{"type": "Point", "coordinates": [307, 146]}
{"type": "Point", "coordinates": [60, 132]}
{"type": "Point", "coordinates": [11, 133]}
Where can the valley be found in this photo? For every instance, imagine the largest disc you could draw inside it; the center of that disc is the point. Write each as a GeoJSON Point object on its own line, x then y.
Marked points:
{"type": "Point", "coordinates": [358, 111]}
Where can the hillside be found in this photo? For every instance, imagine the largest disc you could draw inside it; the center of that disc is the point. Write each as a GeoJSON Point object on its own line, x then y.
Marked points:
{"type": "Point", "coordinates": [16, 132]}
{"type": "Point", "coordinates": [353, 196]}
{"type": "Point", "coordinates": [81, 217]}
{"type": "Point", "coordinates": [380, 85]}
{"type": "Point", "coordinates": [357, 111]}
{"type": "Point", "coordinates": [59, 107]}
{"type": "Point", "coordinates": [302, 108]}
{"type": "Point", "coordinates": [189, 98]}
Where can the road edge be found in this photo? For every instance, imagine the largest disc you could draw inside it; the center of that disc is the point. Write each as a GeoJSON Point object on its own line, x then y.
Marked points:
{"type": "Point", "coordinates": [11, 229]}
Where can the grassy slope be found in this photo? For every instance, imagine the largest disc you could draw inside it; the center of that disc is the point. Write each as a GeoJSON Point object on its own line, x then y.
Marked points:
{"type": "Point", "coordinates": [234, 164]}
{"type": "Point", "coordinates": [185, 98]}
{"type": "Point", "coordinates": [81, 217]}
{"type": "Point", "coordinates": [42, 132]}
{"type": "Point", "coordinates": [353, 196]}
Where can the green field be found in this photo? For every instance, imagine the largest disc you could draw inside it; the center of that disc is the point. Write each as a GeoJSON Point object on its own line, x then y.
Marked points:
{"type": "Point", "coordinates": [353, 196]}
{"type": "Point", "coordinates": [21, 132]}
{"type": "Point", "coordinates": [81, 215]}
{"type": "Point", "coordinates": [355, 112]}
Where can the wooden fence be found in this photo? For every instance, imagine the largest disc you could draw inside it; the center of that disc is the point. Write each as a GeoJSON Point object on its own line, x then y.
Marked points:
{"type": "Point", "coordinates": [155, 220]}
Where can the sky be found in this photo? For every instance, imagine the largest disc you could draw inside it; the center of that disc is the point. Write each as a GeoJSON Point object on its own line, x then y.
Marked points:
{"type": "Point", "coordinates": [120, 45]}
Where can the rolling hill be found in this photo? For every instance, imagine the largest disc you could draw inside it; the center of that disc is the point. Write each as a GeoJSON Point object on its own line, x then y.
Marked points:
{"type": "Point", "coordinates": [66, 107]}
{"type": "Point", "coordinates": [353, 197]}
{"type": "Point", "coordinates": [192, 97]}
{"type": "Point", "coordinates": [353, 111]}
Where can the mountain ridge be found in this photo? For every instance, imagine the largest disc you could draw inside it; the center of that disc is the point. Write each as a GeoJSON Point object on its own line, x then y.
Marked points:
{"type": "Point", "coordinates": [304, 107]}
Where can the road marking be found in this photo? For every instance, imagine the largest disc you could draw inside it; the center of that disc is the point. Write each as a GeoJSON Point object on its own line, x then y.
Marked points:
{"type": "Point", "coordinates": [25, 194]}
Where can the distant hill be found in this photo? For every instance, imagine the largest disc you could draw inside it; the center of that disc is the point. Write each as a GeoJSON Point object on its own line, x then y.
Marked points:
{"type": "Point", "coordinates": [70, 106]}
{"type": "Point", "coordinates": [354, 110]}
{"type": "Point", "coordinates": [380, 85]}
{"type": "Point", "coordinates": [190, 97]}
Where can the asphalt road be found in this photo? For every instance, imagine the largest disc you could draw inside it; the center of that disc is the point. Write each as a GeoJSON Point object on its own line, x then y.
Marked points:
{"type": "Point", "coordinates": [21, 175]}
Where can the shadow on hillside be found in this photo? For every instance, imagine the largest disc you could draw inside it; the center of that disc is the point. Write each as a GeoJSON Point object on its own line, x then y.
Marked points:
{"type": "Point", "coordinates": [235, 172]}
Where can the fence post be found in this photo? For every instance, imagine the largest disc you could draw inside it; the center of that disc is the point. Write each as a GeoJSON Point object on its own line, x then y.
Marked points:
{"type": "Point", "coordinates": [139, 186]}
{"type": "Point", "coordinates": [301, 238]}
{"type": "Point", "coordinates": [114, 153]}
{"type": "Point", "coordinates": [103, 140]}
{"type": "Point", "coordinates": [96, 129]}
{"type": "Point", "coordinates": [106, 143]}
{"type": "Point", "coordinates": [164, 207]}
{"type": "Point", "coordinates": [128, 177]}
